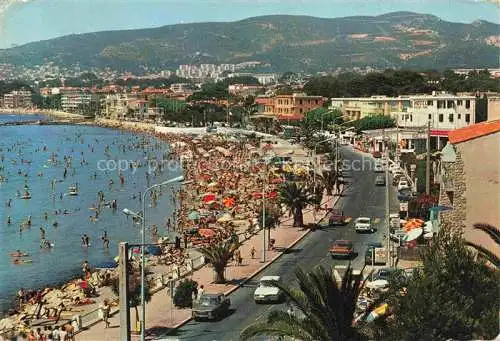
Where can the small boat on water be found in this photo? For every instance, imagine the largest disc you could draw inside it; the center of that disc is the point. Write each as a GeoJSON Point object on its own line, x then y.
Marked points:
{"type": "Point", "coordinates": [73, 193]}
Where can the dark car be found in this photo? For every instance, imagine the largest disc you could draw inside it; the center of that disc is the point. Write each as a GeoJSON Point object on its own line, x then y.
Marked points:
{"type": "Point", "coordinates": [380, 180]}
{"type": "Point", "coordinates": [211, 129]}
{"type": "Point", "coordinates": [211, 307]}
{"type": "Point", "coordinates": [369, 252]}
{"type": "Point", "coordinates": [405, 195]}
{"type": "Point", "coordinates": [336, 217]}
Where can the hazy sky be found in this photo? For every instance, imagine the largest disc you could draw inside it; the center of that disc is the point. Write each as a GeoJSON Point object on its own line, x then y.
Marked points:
{"type": "Point", "coordinates": [32, 20]}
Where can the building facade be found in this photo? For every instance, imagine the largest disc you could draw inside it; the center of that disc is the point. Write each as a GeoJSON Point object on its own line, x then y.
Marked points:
{"type": "Point", "coordinates": [73, 99]}
{"type": "Point", "coordinates": [293, 106]}
{"type": "Point", "coordinates": [356, 108]}
{"type": "Point", "coordinates": [17, 99]}
{"type": "Point", "coordinates": [469, 174]}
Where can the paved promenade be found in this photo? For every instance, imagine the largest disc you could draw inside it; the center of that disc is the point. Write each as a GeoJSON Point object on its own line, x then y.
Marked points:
{"type": "Point", "coordinates": [161, 315]}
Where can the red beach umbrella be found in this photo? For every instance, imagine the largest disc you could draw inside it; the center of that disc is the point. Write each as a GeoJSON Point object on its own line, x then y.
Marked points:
{"type": "Point", "coordinates": [209, 197]}
{"type": "Point", "coordinates": [207, 233]}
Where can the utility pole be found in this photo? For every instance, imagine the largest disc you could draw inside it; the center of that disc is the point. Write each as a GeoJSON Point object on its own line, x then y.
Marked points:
{"type": "Point", "coordinates": [123, 291]}
{"type": "Point", "coordinates": [264, 216]}
{"type": "Point", "coordinates": [387, 202]}
{"type": "Point", "coordinates": [428, 161]}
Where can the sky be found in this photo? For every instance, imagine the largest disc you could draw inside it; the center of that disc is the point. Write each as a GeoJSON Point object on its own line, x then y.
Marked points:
{"type": "Point", "coordinates": [25, 21]}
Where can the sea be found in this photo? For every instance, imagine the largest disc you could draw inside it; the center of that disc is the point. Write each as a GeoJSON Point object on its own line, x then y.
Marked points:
{"type": "Point", "coordinates": [32, 159]}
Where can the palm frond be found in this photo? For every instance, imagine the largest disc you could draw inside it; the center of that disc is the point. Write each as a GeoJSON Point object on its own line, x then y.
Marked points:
{"type": "Point", "coordinates": [491, 230]}
{"type": "Point", "coordinates": [484, 252]}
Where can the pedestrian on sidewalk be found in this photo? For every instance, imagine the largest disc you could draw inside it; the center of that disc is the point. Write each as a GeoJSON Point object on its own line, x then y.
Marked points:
{"type": "Point", "coordinates": [200, 292]}
{"type": "Point", "coordinates": [252, 252]}
{"type": "Point", "coordinates": [105, 308]}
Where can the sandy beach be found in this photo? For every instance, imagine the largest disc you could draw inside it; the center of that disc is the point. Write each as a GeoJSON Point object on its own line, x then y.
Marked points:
{"type": "Point", "coordinates": [221, 195]}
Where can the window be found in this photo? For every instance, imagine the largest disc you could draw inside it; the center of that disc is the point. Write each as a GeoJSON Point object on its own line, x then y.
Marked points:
{"type": "Point", "coordinates": [467, 118]}
{"type": "Point", "coordinates": [449, 104]}
{"type": "Point", "coordinates": [450, 117]}
{"type": "Point", "coordinates": [300, 102]}
{"type": "Point", "coordinates": [411, 118]}
{"type": "Point", "coordinates": [467, 104]}
{"type": "Point", "coordinates": [430, 117]}
{"type": "Point", "coordinates": [300, 110]}
{"type": "Point", "coordinates": [441, 104]}
{"type": "Point", "coordinates": [440, 117]}
{"type": "Point", "coordinates": [429, 103]}
{"type": "Point", "coordinates": [459, 102]}
{"type": "Point", "coordinates": [459, 116]}
{"type": "Point", "coordinates": [316, 101]}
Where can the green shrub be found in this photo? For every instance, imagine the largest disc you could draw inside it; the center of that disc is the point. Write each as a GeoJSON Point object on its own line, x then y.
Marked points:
{"type": "Point", "coordinates": [183, 297]}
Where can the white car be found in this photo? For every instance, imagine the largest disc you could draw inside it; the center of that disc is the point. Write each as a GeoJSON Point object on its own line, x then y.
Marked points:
{"type": "Point", "coordinates": [403, 184]}
{"type": "Point", "coordinates": [266, 291]}
{"type": "Point", "coordinates": [394, 167]}
{"type": "Point", "coordinates": [363, 224]}
{"type": "Point", "coordinates": [378, 168]}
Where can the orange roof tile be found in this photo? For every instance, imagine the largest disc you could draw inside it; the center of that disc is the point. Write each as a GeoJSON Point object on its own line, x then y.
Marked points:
{"type": "Point", "coordinates": [474, 131]}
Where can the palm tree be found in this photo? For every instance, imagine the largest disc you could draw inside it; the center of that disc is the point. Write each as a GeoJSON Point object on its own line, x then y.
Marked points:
{"type": "Point", "coordinates": [494, 234]}
{"type": "Point", "coordinates": [272, 218]}
{"type": "Point", "coordinates": [296, 198]}
{"type": "Point", "coordinates": [219, 255]}
{"type": "Point", "coordinates": [326, 308]}
{"type": "Point", "coordinates": [328, 179]}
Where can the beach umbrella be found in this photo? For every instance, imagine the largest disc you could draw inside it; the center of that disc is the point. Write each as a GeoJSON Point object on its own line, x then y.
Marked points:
{"type": "Point", "coordinates": [228, 202]}
{"type": "Point", "coordinates": [377, 312]}
{"type": "Point", "coordinates": [212, 184]}
{"type": "Point", "coordinates": [272, 195]}
{"type": "Point", "coordinates": [257, 195]}
{"type": "Point", "coordinates": [225, 218]}
{"type": "Point", "coordinates": [208, 197]}
{"type": "Point", "coordinates": [207, 233]}
{"type": "Point", "coordinates": [194, 215]}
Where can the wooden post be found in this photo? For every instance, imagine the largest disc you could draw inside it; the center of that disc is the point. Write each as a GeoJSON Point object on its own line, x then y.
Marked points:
{"type": "Point", "coordinates": [123, 292]}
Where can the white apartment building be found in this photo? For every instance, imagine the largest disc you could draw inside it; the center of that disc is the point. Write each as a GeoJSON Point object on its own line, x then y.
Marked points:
{"type": "Point", "coordinates": [445, 112]}
{"type": "Point", "coordinates": [17, 99]}
{"type": "Point", "coordinates": [116, 106]}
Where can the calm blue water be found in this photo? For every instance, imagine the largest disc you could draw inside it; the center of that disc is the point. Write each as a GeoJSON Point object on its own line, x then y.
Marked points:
{"type": "Point", "coordinates": [18, 143]}
{"type": "Point", "coordinates": [20, 118]}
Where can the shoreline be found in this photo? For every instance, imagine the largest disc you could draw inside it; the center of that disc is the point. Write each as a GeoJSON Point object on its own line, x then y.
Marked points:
{"type": "Point", "coordinates": [55, 114]}
{"type": "Point", "coordinates": [9, 321]}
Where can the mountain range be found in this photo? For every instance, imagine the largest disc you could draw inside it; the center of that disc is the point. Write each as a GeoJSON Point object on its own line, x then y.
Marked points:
{"type": "Point", "coordinates": [283, 42]}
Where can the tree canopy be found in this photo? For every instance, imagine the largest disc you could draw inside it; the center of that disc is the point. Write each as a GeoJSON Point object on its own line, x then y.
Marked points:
{"type": "Point", "coordinates": [399, 82]}
{"type": "Point", "coordinates": [453, 295]}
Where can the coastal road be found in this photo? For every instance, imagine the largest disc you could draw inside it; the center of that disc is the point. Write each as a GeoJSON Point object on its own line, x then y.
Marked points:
{"type": "Point", "coordinates": [360, 198]}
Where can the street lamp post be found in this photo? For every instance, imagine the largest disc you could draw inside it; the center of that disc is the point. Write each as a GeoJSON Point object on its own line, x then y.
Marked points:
{"type": "Point", "coordinates": [143, 242]}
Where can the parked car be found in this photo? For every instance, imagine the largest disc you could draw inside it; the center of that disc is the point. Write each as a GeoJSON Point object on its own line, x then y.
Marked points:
{"type": "Point", "coordinates": [403, 184]}
{"type": "Point", "coordinates": [380, 180]}
{"type": "Point", "coordinates": [266, 291]}
{"type": "Point", "coordinates": [336, 217]}
{"type": "Point", "coordinates": [394, 168]}
{"type": "Point", "coordinates": [370, 252]}
{"type": "Point", "coordinates": [210, 307]}
{"type": "Point", "coordinates": [394, 221]}
{"type": "Point", "coordinates": [405, 195]}
{"type": "Point", "coordinates": [396, 178]}
{"type": "Point", "coordinates": [342, 249]}
{"type": "Point", "coordinates": [386, 273]}
{"type": "Point", "coordinates": [378, 167]}
{"type": "Point", "coordinates": [211, 129]}
{"type": "Point", "coordinates": [363, 224]}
